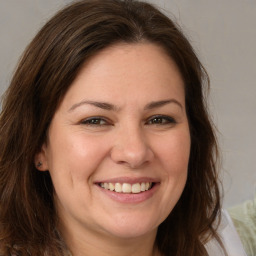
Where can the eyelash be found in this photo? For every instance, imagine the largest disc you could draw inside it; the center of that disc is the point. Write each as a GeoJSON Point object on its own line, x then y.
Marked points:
{"type": "Point", "coordinates": [154, 120]}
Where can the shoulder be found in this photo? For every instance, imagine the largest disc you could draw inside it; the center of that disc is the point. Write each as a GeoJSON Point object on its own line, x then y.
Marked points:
{"type": "Point", "coordinates": [244, 216]}
{"type": "Point", "coordinates": [244, 219]}
{"type": "Point", "coordinates": [229, 238]}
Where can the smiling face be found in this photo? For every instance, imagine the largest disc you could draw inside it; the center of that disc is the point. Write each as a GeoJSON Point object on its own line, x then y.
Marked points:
{"type": "Point", "coordinates": [118, 145]}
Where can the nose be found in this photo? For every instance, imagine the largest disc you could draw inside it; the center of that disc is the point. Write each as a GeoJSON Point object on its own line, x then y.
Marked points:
{"type": "Point", "coordinates": [131, 148]}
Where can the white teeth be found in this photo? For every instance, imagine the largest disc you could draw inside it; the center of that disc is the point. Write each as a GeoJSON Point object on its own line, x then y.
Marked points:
{"type": "Point", "coordinates": [126, 187]}
{"type": "Point", "coordinates": [111, 186]}
{"type": "Point", "coordinates": [105, 185]}
{"type": "Point", "coordinates": [136, 188]}
{"type": "Point", "coordinates": [118, 187]}
{"type": "Point", "coordinates": [142, 186]}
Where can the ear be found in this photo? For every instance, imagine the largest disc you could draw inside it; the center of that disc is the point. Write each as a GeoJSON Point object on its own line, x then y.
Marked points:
{"type": "Point", "coordinates": [40, 160]}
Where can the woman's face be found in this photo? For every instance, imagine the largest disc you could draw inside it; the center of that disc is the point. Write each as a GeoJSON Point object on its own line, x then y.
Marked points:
{"type": "Point", "coordinates": [118, 145]}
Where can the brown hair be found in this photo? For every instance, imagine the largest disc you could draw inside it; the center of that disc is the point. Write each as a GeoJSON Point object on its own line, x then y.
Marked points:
{"type": "Point", "coordinates": [49, 65]}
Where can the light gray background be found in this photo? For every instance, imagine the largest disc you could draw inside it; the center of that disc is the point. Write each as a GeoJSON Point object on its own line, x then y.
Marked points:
{"type": "Point", "coordinates": [223, 33]}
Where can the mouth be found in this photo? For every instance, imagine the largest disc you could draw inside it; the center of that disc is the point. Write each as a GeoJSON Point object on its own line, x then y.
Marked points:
{"type": "Point", "coordinates": [127, 188]}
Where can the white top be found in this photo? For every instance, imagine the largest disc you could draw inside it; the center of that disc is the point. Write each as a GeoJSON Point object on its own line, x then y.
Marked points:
{"type": "Point", "coordinates": [230, 239]}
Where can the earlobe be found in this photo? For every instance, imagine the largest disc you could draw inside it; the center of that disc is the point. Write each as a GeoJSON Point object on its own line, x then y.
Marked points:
{"type": "Point", "coordinates": [40, 160]}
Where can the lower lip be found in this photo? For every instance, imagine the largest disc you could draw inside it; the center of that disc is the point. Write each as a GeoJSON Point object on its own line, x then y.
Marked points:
{"type": "Point", "coordinates": [131, 198]}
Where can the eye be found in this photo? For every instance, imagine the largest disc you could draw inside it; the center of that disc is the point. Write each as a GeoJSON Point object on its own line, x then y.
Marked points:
{"type": "Point", "coordinates": [161, 120]}
{"type": "Point", "coordinates": [95, 121]}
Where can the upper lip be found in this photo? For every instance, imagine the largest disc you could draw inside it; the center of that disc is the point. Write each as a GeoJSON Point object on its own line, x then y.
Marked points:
{"type": "Point", "coordinates": [130, 180]}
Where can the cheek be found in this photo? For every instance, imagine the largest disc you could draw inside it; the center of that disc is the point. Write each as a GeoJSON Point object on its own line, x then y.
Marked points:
{"type": "Point", "coordinates": [175, 152]}
{"type": "Point", "coordinates": [174, 156]}
{"type": "Point", "coordinates": [75, 156]}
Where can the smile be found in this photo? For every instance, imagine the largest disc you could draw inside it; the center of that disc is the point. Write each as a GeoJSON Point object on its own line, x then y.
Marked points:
{"type": "Point", "coordinates": [127, 187]}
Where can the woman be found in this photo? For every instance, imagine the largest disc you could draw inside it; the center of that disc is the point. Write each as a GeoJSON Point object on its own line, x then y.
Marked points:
{"type": "Point", "coordinates": [106, 144]}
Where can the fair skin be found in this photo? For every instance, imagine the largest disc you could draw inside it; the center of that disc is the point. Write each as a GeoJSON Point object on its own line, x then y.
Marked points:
{"type": "Point", "coordinates": [117, 151]}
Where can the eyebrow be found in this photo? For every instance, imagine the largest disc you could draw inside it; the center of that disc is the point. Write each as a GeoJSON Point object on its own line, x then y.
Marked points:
{"type": "Point", "coordinates": [102, 105]}
{"type": "Point", "coordinates": [111, 107]}
{"type": "Point", "coordinates": [158, 104]}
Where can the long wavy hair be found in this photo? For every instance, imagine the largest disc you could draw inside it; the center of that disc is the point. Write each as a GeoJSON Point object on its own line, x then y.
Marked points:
{"type": "Point", "coordinates": [49, 65]}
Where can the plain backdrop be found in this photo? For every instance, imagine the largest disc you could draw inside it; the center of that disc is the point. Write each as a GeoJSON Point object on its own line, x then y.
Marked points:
{"type": "Point", "coordinates": [223, 33]}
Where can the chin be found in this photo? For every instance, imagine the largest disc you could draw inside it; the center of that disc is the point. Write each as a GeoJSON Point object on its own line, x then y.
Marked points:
{"type": "Point", "coordinates": [132, 227]}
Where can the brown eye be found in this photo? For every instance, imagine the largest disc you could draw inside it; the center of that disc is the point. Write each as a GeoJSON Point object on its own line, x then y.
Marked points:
{"type": "Point", "coordinates": [161, 120]}
{"type": "Point", "coordinates": [97, 121]}
{"type": "Point", "coordinates": [157, 120]}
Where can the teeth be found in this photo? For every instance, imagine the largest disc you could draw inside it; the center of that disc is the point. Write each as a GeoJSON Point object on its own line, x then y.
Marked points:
{"type": "Point", "coordinates": [111, 186]}
{"type": "Point", "coordinates": [105, 185]}
{"type": "Point", "coordinates": [136, 188]}
{"type": "Point", "coordinates": [118, 187]}
{"type": "Point", "coordinates": [126, 187]}
{"type": "Point", "coordinates": [143, 186]}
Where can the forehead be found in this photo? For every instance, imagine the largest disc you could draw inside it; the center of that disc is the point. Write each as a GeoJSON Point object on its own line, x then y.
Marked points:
{"type": "Point", "coordinates": [127, 70]}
